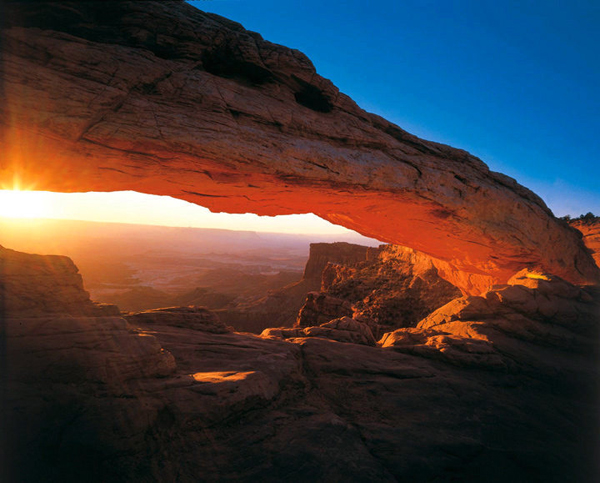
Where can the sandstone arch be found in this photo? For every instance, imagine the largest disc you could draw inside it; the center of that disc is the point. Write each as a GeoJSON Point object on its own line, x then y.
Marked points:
{"type": "Point", "coordinates": [161, 98]}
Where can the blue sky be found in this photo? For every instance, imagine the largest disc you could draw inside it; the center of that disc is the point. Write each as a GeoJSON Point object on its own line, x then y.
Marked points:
{"type": "Point", "coordinates": [516, 83]}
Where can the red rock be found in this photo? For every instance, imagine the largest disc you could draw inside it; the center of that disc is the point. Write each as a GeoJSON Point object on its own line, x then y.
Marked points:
{"type": "Point", "coordinates": [161, 98]}
{"type": "Point", "coordinates": [590, 229]}
{"type": "Point", "coordinates": [279, 308]}
{"type": "Point", "coordinates": [489, 330]}
{"type": "Point", "coordinates": [396, 287]}
{"type": "Point", "coordinates": [340, 253]}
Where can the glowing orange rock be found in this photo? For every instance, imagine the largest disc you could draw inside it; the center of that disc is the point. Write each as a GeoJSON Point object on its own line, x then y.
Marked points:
{"type": "Point", "coordinates": [590, 229]}
{"type": "Point", "coordinates": [161, 98]}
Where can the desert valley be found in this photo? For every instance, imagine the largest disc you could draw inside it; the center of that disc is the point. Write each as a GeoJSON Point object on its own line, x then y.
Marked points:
{"type": "Point", "coordinates": [463, 346]}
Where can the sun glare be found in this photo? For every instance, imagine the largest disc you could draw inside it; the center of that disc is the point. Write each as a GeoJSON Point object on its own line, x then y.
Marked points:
{"type": "Point", "coordinates": [24, 204]}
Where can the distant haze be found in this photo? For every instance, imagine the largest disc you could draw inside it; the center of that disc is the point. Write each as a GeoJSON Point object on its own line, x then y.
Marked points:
{"type": "Point", "coordinates": [143, 209]}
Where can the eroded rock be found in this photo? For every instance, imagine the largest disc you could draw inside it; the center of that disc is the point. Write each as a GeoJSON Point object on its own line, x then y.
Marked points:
{"type": "Point", "coordinates": [344, 329]}
{"type": "Point", "coordinates": [162, 98]}
{"type": "Point", "coordinates": [190, 317]}
{"type": "Point", "coordinates": [396, 288]}
{"type": "Point", "coordinates": [40, 285]}
{"type": "Point", "coordinates": [590, 228]}
{"type": "Point", "coordinates": [320, 308]}
{"type": "Point", "coordinates": [494, 330]}
{"type": "Point", "coordinates": [473, 394]}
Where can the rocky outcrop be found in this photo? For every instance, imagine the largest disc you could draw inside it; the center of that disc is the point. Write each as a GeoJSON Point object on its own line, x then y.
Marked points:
{"type": "Point", "coordinates": [386, 287]}
{"type": "Point", "coordinates": [243, 408]}
{"type": "Point", "coordinates": [71, 396]}
{"type": "Point", "coordinates": [162, 98]}
{"type": "Point", "coordinates": [344, 329]}
{"type": "Point", "coordinates": [320, 308]}
{"type": "Point", "coordinates": [280, 308]}
{"type": "Point", "coordinates": [32, 285]}
{"type": "Point", "coordinates": [590, 228]}
{"type": "Point", "coordinates": [396, 288]}
{"type": "Point", "coordinates": [340, 253]}
{"type": "Point", "coordinates": [494, 329]}
{"type": "Point", "coordinates": [189, 317]}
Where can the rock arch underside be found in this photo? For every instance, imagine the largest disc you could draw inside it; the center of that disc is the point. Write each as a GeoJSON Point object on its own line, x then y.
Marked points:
{"type": "Point", "coordinates": [161, 98]}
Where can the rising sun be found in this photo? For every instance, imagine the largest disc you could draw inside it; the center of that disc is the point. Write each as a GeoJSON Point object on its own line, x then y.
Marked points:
{"type": "Point", "coordinates": [24, 204]}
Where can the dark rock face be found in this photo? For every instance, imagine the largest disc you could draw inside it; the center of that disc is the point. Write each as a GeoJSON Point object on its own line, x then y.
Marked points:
{"type": "Point", "coordinates": [187, 317]}
{"type": "Point", "coordinates": [496, 388]}
{"type": "Point", "coordinates": [72, 396]}
{"type": "Point", "coordinates": [162, 98]}
{"type": "Point", "coordinates": [320, 308]}
{"type": "Point", "coordinates": [36, 285]}
{"type": "Point", "coordinates": [344, 329]}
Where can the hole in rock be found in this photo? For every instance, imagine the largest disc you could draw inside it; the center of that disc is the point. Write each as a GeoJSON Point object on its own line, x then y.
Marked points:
{"type": "Point", "coordinates": [224, 62]}
{"type": "Point", "coordinates": [312, 97]}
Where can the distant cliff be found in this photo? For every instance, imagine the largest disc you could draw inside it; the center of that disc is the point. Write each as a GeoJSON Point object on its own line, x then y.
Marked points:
{"type": "Point", "coordinates": [279, 308]}
{"type": "Point", "coordinates": [32, 285]}
{"type": "Point", "coordinates": [340, 253]}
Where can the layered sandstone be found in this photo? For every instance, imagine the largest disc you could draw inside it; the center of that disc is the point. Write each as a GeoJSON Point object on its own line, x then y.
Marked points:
{"type": "Point", "coordinates": [469, 405]}
{"type": "Point", "coordinates": [340, 253]}
{"type": "Point", "coordinates": [189, 317]}
{"type": "Point", "coordinates": [162, 98]}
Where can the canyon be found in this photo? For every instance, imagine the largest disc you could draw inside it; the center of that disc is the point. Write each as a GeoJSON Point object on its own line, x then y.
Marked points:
{"type": "Point", "coordinates": [465, 349]}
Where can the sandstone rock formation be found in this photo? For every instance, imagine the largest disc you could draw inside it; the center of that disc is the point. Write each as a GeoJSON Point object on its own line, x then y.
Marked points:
{"type": "Point", "coordinates": [279, 308]}
{"type": "Point", "coordinates": [340, 253]}
{"type": "Point", "coordinates": [591, 235]}
{"type": "Point", "coordinates": [161, 98]}
{"type": "Point", "coordinates": [496, 388]}
{"type": "Point", "coordinates": [344, 329]}
{"type": "Point", "coordinates": [188, 317]}
{"type": "Point", "coordinates": [32, 285]}
{"type": "Point", "coordinates": [396, 288]}
{"type": "Point", "coordinates": [491, 330]}
{"type": "Point", "coordinates": [320, 308]}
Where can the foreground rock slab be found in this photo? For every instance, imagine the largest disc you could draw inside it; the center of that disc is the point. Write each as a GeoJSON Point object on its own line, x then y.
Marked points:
{"type": "Point", "coordinates": [161, 98]}
{"type": "Point", "coordinates": [236, 407]}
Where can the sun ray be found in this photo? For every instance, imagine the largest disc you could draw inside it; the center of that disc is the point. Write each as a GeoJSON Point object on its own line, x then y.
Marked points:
{"type": "Point", "coordinates": [19, 203]}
